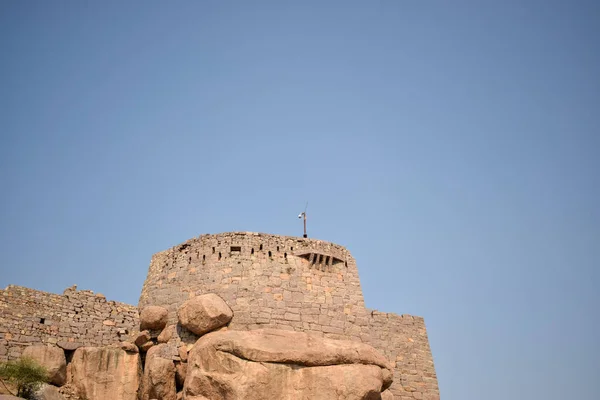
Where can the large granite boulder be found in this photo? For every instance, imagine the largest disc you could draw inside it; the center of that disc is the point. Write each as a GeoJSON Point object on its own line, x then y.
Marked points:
{"type": "Point", "coordinates": [274, 364]}
{"type": "Point", "coordinates": [52, 358]}
{"type": "Point", "coordinates": [153, 317]}
{"type": "Point", "coordinates": [204, 313]}
{"type": "Point", "coordinates": [159, 375]}
{"type": "Point", "coordinates": [100, 373]}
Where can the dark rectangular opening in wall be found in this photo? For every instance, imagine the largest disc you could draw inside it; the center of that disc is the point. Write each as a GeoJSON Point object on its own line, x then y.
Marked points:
{"type": "Point", "coordinates": [69, 355]}
{"type": "Point", "coordinates": [42, 320]}
{"type": "Point", "coordinates": [236, 248]}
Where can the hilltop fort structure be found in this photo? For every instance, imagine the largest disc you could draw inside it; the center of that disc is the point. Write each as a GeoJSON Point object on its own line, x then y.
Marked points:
{"type": "Point", "coordinates": [269, 281]}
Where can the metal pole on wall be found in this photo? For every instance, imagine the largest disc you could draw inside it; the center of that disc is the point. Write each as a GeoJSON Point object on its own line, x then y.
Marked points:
{"type": "Point", "coordinates": [303, 215]}
{"type": "Point", "coordinates": [305, 235]}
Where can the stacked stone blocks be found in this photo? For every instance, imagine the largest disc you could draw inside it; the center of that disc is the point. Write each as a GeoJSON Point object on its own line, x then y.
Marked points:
{"type": "Point", "coordinates": [72, 319]}
{"type": "Point", "coordinates": [269, 281]}
{"type": "Point", "coordinates": [291, 283]}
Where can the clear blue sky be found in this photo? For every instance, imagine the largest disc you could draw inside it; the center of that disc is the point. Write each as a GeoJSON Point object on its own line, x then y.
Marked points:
{"type": "Point", "coordinates": [452, 146]}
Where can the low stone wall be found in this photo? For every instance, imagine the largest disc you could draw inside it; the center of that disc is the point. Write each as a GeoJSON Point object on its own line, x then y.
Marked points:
{"type": "Point", "coordinates": [29, 316]}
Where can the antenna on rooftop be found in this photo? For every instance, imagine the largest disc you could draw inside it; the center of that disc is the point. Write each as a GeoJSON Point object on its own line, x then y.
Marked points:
{"type": "Point", "coordinates": [303, 215]}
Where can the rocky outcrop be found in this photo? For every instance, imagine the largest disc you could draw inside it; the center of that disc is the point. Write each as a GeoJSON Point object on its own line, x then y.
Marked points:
{"type": "Point", "coordinates": [204, 313]}
{"type": "Point", "coordinates": [159, 375]}
{"type": "Point", "coordinates": [273, 364]}
{"type": "Point", "coordinates": [129, 347]}
{"type": "Point", "coordinates": [153, 318]}
{"type": "Point", "coordinates": [48, 392]}
{"type": "Point", "coordinates": [52, 358]}
{"type": "Point", "coordinates": [106, 373]}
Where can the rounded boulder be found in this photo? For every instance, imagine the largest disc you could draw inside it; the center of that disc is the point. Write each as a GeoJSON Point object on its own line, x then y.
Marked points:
{"type": "Point", "coordinates": [204, 313]}
{"type": "Point", "coordinates": [153, 317]}
{"type": "Point", "coordinates": [52, 358]}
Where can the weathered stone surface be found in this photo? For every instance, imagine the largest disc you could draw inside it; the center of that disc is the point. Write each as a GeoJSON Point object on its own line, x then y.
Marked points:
{"type": "Point", "coordinates": [9, 397]}
{"type": "Point", "coordinates": [69, 391]}
{"type": "Point", "coordinates": [269, 281]}
{"type": "Point", "coordinates": [387, 395]}
{"type": "Point", "coordinates": [153, 317]}
{"type": "Point", "coordinates": [48, 392]}
{"type": "Point", "coordinates": [70, 346]}
{"type": "Point", "coordinates": [388, 378]}
{"type": "Point", "coordinates": [159, 375]}
{"type": "Point", "coordinates": [52, 358]}
{"type": "Point", "coordinates": [106, 373]}
{"type": "Point", "coordinates": [130, 347]}
{"type": "Point", "coordinates": [146, 346]}
{"type": "Point", "coordinates": [291, 283]}
{"type": "Point", "coordinates": [166, 334]}
{"type": "Point", "coordinates": [183, 353]}
{"type": "Point", "coordinates": [272, 364]}
{"type": "Point", "coordinates": [141, 338]}
{"type": "Point", "coordinates": [204, 313]}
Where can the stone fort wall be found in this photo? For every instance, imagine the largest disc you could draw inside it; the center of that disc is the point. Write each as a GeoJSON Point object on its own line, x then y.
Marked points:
{"type": "Point", "coordinates": [292, 283]}
{"type": "Point", "coordinates": [77, 317]}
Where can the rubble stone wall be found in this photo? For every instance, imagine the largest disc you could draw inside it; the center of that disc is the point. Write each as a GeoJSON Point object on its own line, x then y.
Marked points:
{"type": "Point", "coordinates": [292, 283]}
{"type": "Point", "coordinates": [403, 340]}
{"type": "Point", "coordinates": [29, 316]}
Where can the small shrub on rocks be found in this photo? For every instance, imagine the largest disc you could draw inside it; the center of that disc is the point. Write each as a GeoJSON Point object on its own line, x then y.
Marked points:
{"type": "Point", "coordinates": [26, 374]}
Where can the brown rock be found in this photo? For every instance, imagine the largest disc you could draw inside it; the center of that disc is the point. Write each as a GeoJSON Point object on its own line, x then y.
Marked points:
{"type": "Point", "coordinates": [69, 391]}
{"type": "Point", "coordinates": [146, 346]}
{"type": "Point", "coordinates": [204, 313]}
{"type": "Point", "coordinates": [388, 378]}
{"type": "Point", "coordinates": [106, 373]}
{"type": "Point", "coordinates": [153, 317]}
{"type": "Point", "coordinates": [271, 364]}
{"type": "Point", "coordinates": [387, 395]}
{"type": "Point", "coordinates": [159, 375]}
{"type": "Point", "coordinates": [52, 358]}
{"type": "Point", "coordinates": [70, 346]}
{"type": "Point", "coordinates": [183, 353]}
{"type": "Point", "coordinates": [48, 392]}
{"type": "Point", "coordinates": [166, 334]}
{"type": "Point", "coordinates": [130, 347]}
{"type": "Point", "coordinates": [141, 338]}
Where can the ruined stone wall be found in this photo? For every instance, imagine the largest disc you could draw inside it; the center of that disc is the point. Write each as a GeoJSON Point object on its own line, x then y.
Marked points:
{"type": "Point", "coordinates": [267, 280]}
{"type": "Point", "coordinates": [30, 316]}
{"type": "Point", "coordinates": [403, 340]}
{"type": "Point", "coordinates": [291, 283]}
